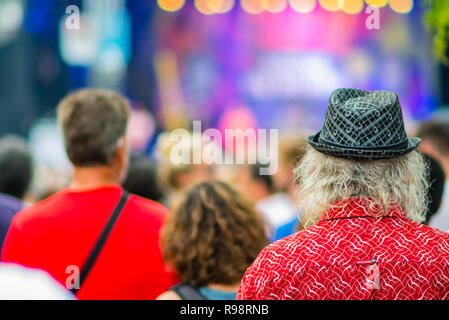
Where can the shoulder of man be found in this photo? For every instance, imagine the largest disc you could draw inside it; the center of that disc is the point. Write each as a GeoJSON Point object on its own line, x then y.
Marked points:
{"type": "Point", "coordinates": [263, 277]}
{"type": "Point", "coordinates": [33, 211]}
{"type": "Point", "coordinates": [430, 237]}
{"type": "Point", "coordinates": [146, 209]}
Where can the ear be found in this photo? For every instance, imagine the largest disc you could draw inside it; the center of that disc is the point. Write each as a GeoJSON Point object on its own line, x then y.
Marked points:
{"type": "Point", "coordinates": [122, 149]}
{"type": "Point", "coordinates": [121, 159]}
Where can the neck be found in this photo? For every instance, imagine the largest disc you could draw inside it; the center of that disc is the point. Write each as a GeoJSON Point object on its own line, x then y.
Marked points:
{"type": "Point", "coordinates": [225, 287]}
{"type": "Point", "coordinates": [259, 192]}
{"type": "Point", "coordinates": [93, 177]}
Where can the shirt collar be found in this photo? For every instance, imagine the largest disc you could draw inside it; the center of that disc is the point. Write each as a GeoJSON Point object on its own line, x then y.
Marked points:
{"type": "Point", "coordinates": [358, 208]}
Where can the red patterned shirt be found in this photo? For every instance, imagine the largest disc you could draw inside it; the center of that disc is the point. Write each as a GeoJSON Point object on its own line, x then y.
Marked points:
{"type": "Point", "coordinates": [350, 254]}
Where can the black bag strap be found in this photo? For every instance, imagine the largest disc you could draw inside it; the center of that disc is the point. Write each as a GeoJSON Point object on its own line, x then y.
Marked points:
{"type": "Point", "coordinates": [90, 262]}
{"type": "Point", "coordinates": [187, 292]}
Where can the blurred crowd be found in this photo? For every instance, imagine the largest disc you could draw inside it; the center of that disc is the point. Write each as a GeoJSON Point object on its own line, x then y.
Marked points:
{"type": "Point", "coordinates": [184, 231]}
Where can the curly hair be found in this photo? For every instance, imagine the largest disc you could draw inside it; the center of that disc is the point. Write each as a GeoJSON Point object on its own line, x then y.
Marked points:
{"type": "Point", "coordinates": [323, 180]}
{"type": "Point", "coordinates": [213, 235]}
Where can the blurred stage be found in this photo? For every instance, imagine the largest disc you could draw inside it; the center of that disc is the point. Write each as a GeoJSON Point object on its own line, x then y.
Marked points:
{"type": "Point", "coordinates": [254, 63]}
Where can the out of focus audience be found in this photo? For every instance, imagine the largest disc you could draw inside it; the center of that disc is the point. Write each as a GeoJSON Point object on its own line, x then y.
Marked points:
{"type": "Point", "coordinates": [435, 143]}
{"type": "Point", "coordinates": [16, 172]}
{"type": "Point", "coordinates": [278, 209]}
{"type": "Point", "coordinates": [210, 238]}
{"type": "Point", "coordinates": [291, 152]}
{"type": "Point", "coordinates": [201, 249]}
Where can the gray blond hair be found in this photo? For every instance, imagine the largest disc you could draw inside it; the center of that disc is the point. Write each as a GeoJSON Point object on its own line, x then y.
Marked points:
{"type": "Point", "coordinates": [322, 180]}
{"type": "Point", "coordinates": [93, 121]}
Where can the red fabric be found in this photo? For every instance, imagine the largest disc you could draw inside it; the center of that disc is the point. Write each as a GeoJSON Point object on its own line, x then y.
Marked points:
{"type": "Point", "coordinates": [61, 231]}
{"type": "Point", "coordinates": [351, 255]}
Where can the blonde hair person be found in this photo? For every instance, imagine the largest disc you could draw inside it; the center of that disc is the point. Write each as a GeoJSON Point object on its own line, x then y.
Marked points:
{"type": "Point", "coordinates": [175, 178]}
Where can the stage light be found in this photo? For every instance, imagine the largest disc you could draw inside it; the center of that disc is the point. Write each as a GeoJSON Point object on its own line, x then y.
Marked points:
{"type": "Point", "coordinates": [377, 3]}
{"type": "Point", "coordinates": [329, 5]}
{"type": "Point", "coordinates": [252, 6]}
{"type": "Point", "coordinates": [274, 6]}
{"type": "Point", "coordinates": [351, 6]}
{"type": "Point", "coordinates": [171, 5]}
{"type": "Point", "coordinates": [303, 6]}
{"type": "Point", "coordinates": [11, 16]}
{"type": "Point", "coordinates": [220, 6]}
{"type": "Point", "coordinates": [203, 7]}
{"type": "Point", "coordinates": [401, 6]}
{"type": "Point", "coordinates": [11, 19]}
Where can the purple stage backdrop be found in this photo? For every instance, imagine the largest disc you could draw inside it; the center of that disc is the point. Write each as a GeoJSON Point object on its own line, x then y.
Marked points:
{"type": "Point", "coordinates": [282, 67]}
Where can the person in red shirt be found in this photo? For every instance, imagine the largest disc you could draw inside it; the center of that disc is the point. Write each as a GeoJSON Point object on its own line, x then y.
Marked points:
{"type": "Point", "coordinates": [363, 188]}
{"type": "Point", "coordinates": [59, 233]}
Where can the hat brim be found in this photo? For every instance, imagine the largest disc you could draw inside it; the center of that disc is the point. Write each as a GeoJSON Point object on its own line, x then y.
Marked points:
{"type": "Point", "coordinates": [361, 154]}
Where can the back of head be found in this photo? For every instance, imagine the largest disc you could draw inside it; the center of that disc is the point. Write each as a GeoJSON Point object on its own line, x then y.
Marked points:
{"type": "Point", "coordinates": [436, 188]}
{"type": "Point", "coordinates": [257, 177]}
{"type": "Point", "coordinates": [175, 176]}
{"type": "Point", "coordinates": [291, 151]}
{"type": "Point", "coordinates": [93, 123]}
{"type": "Point", "coordinates": [437, 133]}
{"type": "Point", "coordinates": [16, 167]}
{"type": "Point", "coordinates": [213, 235]}
{"type": "Point", "coordinates": [142, 179]}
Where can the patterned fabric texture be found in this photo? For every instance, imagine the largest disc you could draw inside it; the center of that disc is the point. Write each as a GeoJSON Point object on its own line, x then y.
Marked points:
{"type": "Point", "coordinates": [353, 254]}
{"type": "Point", "coordinates": [363, 125]}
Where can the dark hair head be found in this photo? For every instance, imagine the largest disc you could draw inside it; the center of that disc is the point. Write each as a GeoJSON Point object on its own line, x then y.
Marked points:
{"type": "Point", "coordinates": [213, 235]}
{"type": "Point", "coordinates": [16, 166]}
{"type": "Point", "coordinates": [142, 179]}
{"type": "Point", "coordinates": [93, 121]}
{"type": "Point", "coordinates": [437, 132]}
{"type": "Point", "coordinates": [437, 180]}
{"type": "Point", "coordinates": [267, 180]}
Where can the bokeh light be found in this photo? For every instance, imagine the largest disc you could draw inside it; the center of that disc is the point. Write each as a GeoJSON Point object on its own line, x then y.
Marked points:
{"type": "Point", "coordinates": [401, 6]}
{"type": "Point", "coordinates": [220, 6]}
{"type": "Point", "coordinates": [11, 16]}
{"type": "Point", "coordinates": [329, 5]}
{"type": "Point", "coordinates": [377, 3]}
{"type": "Point", "coordinates": [11, 19]}
{"type": "Point", "coordinates": [203, 7]}
{"type": "Point", "coordinates": [252, 6]}
{"type": "Point", "coordinates": [351, 6]}
{"type": "Point", "coordinates": [171, 5]}
{"type": "Point", "coordinates": [274, 6]}
{"type": "Point", "coordinates": [303, 6]}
